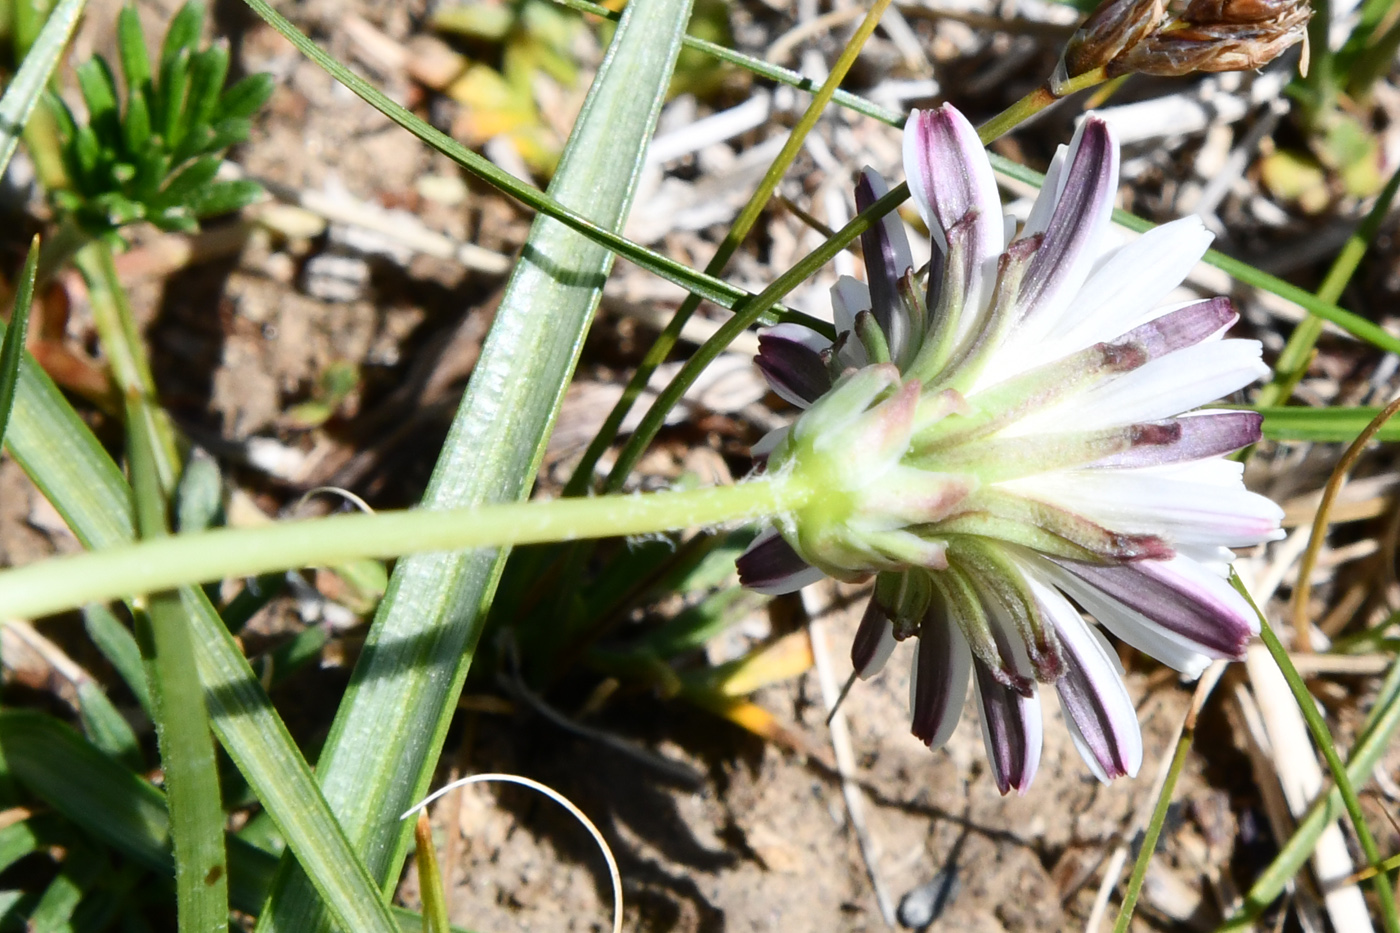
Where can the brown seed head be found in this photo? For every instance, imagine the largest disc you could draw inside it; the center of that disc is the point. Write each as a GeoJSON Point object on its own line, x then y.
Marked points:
{"type": "Point", "coordinates": [1115, 26]}
{"type": "Point", "coordinates": [1222, 35]}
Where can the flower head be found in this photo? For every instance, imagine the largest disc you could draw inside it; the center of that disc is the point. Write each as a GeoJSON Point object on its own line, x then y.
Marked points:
{"type": "Point", "coordinates": [1011, 437]}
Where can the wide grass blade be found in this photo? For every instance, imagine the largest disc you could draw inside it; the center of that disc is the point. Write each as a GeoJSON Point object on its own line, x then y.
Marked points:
{"type": "Point", "coordinates": [387, 734]}
{"type": "Point", "coordinates": [28, 85]}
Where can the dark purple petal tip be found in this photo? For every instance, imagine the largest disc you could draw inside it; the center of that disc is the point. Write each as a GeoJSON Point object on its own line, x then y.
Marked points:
{"type": "Point", "coordinates": [792, 366]}
{"type": "Point", "coordinates": [771, 566]}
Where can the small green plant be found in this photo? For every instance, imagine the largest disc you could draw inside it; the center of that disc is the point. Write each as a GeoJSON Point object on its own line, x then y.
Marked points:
{"type": "Point", "coordinates": [157, 158]}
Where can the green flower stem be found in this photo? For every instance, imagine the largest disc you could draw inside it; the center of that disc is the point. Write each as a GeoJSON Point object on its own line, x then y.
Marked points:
{"type": "Point", "coordinates": [1036, 101]}
{"type": "Point", "coordinates": [1297, 353]}
{"type": "Point", "coordinates": [1380, 883]}
{"type": "Point", "coordinates": [748, 216]}
{"type": "Point", "coordinates": [151, 566]}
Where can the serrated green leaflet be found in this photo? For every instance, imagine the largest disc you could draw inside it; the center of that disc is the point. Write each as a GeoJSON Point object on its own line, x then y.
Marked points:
{"type": "Point", "coordinates": [389, 730]}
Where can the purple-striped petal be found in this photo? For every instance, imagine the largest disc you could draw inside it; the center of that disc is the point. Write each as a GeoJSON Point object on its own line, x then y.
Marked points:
{"type": "Point", "coordinates": [887, 259]}
{"type": "Point", "coordinates": [949, 176]}
{"type": "Point", "coordinates": [938, 687]}
{"type": "Point", "coordinates": [1011, 730]}
{"type": "Point", "coordinates": [1190, 437]}
{"type": "Point", "coordinates": [1176, 598]}
{"type": "Point", "coordinates": [1184, 327]}
{"type": "Point", "coordinates": [1097, 707]}
{"type": "Point", "coordinates": [1075, 229]}
{"type": "Point", "coordinates": [770, 565]}
{"type": "Point", "coordinates": [789, 356]}
{"type": "Point", "coordinates": [873, 643]}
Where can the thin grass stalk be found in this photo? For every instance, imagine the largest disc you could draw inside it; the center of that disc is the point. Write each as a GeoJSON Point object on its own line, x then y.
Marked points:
{"type": "Point", "coordinates": [430, 883]}
{"type": "Point", "coordinates": [1153, 831]}
{"type": "Point", "coordinates": [1344, 786]}
{"type": "Point", "coordinates": [1292, 363]}
{"type": "Point", "coordinates": [733, 238]}
{"type": "Point", "coordinates": [181, 718]}
{"type": "Point", "coordinates": [12, 348]}
{"type": "Point", "coordinates": [1303, 591]}
{"type": "Point", "coordinates": [1373, 742]}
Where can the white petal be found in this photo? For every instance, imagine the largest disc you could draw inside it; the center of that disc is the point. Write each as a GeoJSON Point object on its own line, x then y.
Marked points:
{"type": "Point", "coordinates": [1044, 207]}
{"type": "Point", "coordinates": [1139, 502]}
{"type": "Point", "coordinates": [1124, 291]}
{"type": "Point", "coordinates": [1094, 672]}
{"type": "Point", "coordinates": [1170, 385]}
{"type": "Point", "coordinates": [769, 442]}
{"type": "Point", "coordinates": [849, 297]}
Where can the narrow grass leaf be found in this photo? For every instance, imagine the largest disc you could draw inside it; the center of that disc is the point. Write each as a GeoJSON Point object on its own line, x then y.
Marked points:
{"type": "Point", "coordinates": [389, 730]}
{"type": "Point", "coordinates": [24, 91]}
{"type": "Point", "coordinates": [182, 720]}
{"type": "Point", "coordinates": [12, 349]}
{"type": "Point", "coordinates": [110, 802]}
{"type": "Point", "coordinates": [119, 647]}
{"type": "Point", "coordinates": [1323, 425]}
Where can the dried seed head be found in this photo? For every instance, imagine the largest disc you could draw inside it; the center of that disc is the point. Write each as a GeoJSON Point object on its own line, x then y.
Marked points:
{"type": "Point", "coordinates": [1115, 26]}
{"type": "Point", "coordinates": [1217, 35]}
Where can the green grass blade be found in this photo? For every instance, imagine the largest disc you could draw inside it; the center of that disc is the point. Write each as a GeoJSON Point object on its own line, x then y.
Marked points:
{"type": "Point", "coordinates": [119, 647]}
{"type": "Point", "coordinates": [71, 468]}
{"type": "Point", "coordinates": [110, 802]}
{"type": "Point", "coordinates": [28, 85]}
{"type": "Point", "coordinates": [384, 744]}
{"type": "Point", "coordinates": [1374, 741]}
{"type": "Point", "coordinates": [105, 726]}
{"type": "Point", "coordinates": [61, 768]}
{"type": "Point", "coordinates": [1323, 425]}
{"type": "Point", "coordinates": [182, 720]}
{"type": "Point", "coordinates": [12, 349]}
